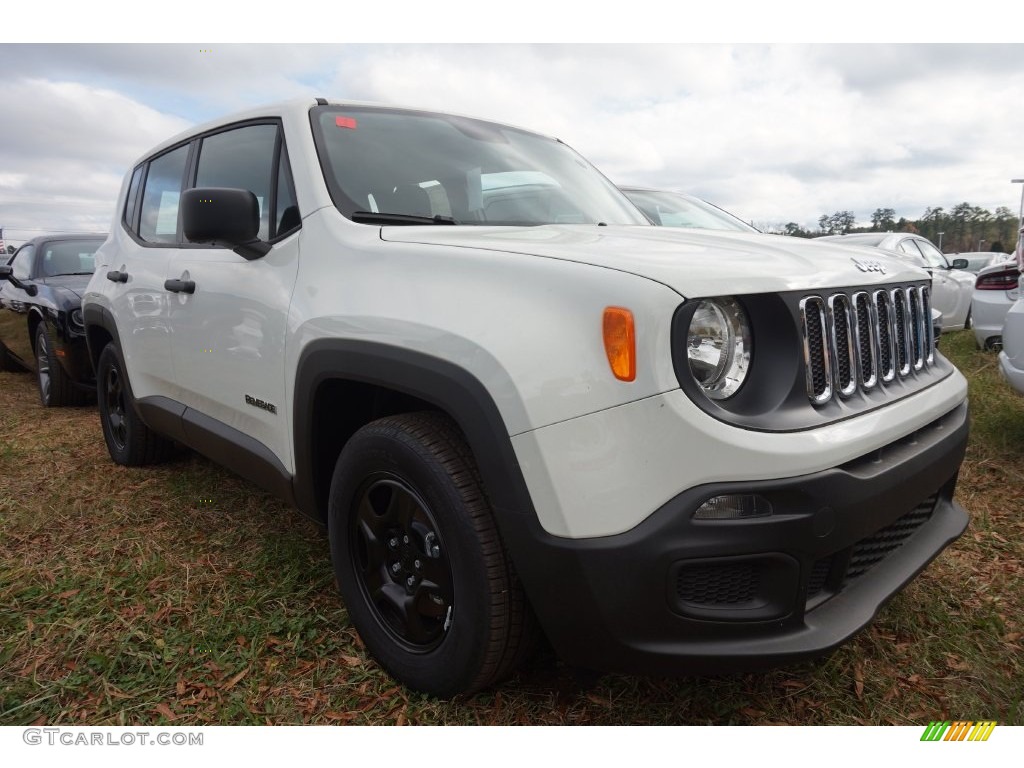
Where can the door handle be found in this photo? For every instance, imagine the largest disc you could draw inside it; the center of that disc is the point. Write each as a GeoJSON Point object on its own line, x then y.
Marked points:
{"type": "Point", "coordinates": [180, 286]}
{"type": "Point", "coordinates": [117, 277]}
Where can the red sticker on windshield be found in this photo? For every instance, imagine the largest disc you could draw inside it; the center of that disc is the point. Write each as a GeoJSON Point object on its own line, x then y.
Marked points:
{"type": "Point", "coordinates": [345, 122]}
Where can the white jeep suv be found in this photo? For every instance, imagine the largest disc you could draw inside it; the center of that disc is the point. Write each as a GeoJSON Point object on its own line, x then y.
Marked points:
{"type": "Point", "coordinates": [516, 405]}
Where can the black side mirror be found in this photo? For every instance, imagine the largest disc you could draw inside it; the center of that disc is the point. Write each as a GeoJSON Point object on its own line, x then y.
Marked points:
{"type": "Point", "coordinates": [7, 273]}
{"type": "Point", "coordinates": [223, 216]}
{"type": "Point", "coordinates": [959, 264]}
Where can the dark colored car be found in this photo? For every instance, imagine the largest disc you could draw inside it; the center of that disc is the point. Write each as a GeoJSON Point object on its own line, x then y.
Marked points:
{"type": "Point", "coordinates": [41, 328]}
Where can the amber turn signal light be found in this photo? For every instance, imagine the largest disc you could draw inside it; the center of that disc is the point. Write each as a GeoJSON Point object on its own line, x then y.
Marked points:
{"type": "Point", "coordinates": [620, 342]}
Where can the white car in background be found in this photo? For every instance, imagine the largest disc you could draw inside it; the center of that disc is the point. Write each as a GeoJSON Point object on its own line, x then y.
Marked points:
{"type": "Point", "coordinates": [674, 209]}
{"type": "Point", "coordinates": [995, 290]}
{"type": "Point", "coordinates": [1011, 358]}
{"type": "Point", "coordinates": [952, 288]}
{"type": "Point", "coordinates": [978, 260]}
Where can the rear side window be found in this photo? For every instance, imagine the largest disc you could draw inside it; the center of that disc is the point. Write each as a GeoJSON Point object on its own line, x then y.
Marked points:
{"type": "Point", "coordinates": [130, 203]}
{"type": "Point", "coordinates": [159, 217]}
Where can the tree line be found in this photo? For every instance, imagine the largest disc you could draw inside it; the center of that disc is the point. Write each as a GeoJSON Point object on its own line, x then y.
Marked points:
{"type": "Point", "coordinates": [961, 229]}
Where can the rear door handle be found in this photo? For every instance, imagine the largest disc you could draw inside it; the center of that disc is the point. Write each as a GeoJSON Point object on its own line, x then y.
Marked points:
{"type": "Point", "coordinates": [180, 286]}
{"type": "Point", "coordinates": [117, 276]}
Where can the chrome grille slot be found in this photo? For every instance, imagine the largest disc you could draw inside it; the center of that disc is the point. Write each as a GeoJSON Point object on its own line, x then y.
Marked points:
{"type": "Point", "coordinates": [926, 310]}
{"type": "Point", "coordinates": [863, 340]}
{"type": "Point", "coordinates": [866, 340]}
{"type": "Point", "coordinates": [899, 319]}
{"type": "Point", "coordinates": [816, 353]}
{"type": "Point", "coordinates": [917, 334]}
{"type": "Point", "coordinates": [887, 351]}
{"type": "Point", "coordinates": [844, 353]}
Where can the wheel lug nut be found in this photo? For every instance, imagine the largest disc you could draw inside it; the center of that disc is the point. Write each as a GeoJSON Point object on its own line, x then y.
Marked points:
{"type": "Point", "coordinates": [435, 551]}
{"type": "Point", "coordinates": [417, 564]}
{"type": "Point", "coordinates": [411, 581]}
{"type": "Point", "coordinates": [405, 539]}
{"type": "Point", "coordinates": [392, 542]}
{"type": "Point", "coordinates": [396, 567]}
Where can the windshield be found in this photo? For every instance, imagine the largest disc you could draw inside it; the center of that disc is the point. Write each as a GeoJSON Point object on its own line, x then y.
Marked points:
{"type": "Point", "coordinates": [69, 257]}
{"type": "Point", "coordinates": [386, 166]}
{"type": "Point", "coordinates": [670, 209]}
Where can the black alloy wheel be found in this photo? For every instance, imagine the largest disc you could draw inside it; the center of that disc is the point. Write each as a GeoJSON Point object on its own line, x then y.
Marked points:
{"type": "Point", "coordinates": [419, 559]}
{"type": "Point", "coordinates": [54, 383]}
{"type": "Point", "coordinates": [113, 398]}
{"type": "Point", "coordinates": [402, 562]}
{"type": "Point", "coordinates": [43, 366]}
{"type": "Point", "coordinates": [129, 441]}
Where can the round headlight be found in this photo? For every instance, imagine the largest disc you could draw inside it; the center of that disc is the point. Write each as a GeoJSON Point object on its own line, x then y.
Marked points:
{"type": "Point", "coordinates": [718, 347]}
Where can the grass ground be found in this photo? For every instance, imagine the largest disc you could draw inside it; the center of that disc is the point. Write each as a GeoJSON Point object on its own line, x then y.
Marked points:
{"type": "Point", "coordinates": [181, 594]}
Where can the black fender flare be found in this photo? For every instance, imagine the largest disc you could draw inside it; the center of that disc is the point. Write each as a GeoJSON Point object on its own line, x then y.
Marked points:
{"type": "Point", "coordinates": [99, 316]}
{"type": "Point", "coordinates": [445, 385]}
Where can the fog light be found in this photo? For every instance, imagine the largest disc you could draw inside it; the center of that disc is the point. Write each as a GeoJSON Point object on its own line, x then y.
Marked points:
{"type": "Point", "coordinates": [733, 507]}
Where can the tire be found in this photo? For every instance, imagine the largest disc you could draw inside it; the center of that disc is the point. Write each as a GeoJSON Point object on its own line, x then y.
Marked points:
{"type": "Point", "coordinates": [53, 382]}
{"type": "Point", "coordinates": [417, 555]}
{"type": "Point", "coordinates": [6, 363]}
{"type": "Point", "coordinates": [129, 441]}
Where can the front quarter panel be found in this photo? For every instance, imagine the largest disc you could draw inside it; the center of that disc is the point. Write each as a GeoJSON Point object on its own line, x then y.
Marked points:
{"type": "Point", "coordinates": [529, 329]}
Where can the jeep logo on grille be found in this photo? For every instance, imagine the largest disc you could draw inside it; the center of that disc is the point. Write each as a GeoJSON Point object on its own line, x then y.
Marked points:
{"type": "Point", "coordinates": [869, 265]}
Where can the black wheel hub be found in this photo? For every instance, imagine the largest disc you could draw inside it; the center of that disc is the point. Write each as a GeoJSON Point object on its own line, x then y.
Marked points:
{"type": "Point", "coordinates": [114, 401]}
{"type": "Point", "coordinates": [401, 562]}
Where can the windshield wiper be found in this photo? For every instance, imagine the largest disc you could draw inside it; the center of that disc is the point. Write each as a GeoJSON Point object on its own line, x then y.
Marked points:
{"type": "Point", "coordinates": [399, 218]}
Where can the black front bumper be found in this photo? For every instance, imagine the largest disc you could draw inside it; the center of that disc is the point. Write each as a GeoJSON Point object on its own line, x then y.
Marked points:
{"type": "Point", "coordinates": [678, 595]}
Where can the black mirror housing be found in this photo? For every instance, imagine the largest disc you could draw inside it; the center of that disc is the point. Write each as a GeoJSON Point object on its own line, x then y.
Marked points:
{"type": "Point", "coordinates": [220, 215]}
{"type": "Point", "coordinates": [223, 216]}
{"type": "Point", "coordinates": [959, 264]}
{"type": "Point", "coordinates": [7, 273]}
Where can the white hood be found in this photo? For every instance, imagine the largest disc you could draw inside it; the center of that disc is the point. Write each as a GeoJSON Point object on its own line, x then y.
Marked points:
{"type": "Point", "coordinates": [692, 262]}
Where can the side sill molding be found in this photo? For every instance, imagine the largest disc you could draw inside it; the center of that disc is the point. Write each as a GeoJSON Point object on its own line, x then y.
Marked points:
{"type": "Point", "coordinates": [225, 445]}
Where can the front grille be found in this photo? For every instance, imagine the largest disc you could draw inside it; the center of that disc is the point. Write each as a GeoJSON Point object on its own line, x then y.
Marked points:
{"type": "Point", "coordinates": [819, 573]}
{"type": "Point", "coordinates": [870, 551]}
{"type": "Point", "coordinates": [727, 584]}
{"type": "Point", "coordinates": [831, 573]}
{"type": "Point", "coordinates": [855, 341]}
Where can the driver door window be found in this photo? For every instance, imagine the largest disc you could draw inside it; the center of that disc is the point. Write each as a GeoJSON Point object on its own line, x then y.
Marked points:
{"type": "Point", "coordinates": [242, 158]}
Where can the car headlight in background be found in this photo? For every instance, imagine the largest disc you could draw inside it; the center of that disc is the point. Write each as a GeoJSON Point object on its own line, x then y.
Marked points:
{"type": "Point", "coordinates": [718, 347]}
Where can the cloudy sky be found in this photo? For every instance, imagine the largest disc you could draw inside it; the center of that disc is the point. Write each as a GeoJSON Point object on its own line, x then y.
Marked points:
{"type": "Point", "coordinates": [774, 133]}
